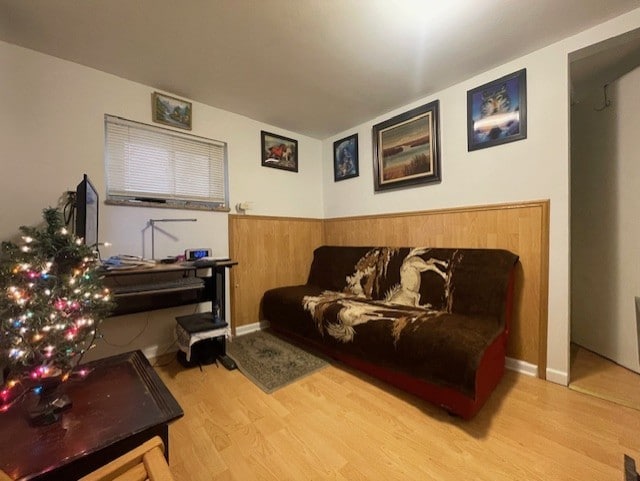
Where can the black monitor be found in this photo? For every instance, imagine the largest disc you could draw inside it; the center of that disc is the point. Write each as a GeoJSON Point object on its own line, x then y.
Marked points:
{"type": "Point", "coordinates": [87, 212]}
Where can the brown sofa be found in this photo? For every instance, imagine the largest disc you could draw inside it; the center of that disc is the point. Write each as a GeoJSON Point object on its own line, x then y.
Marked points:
{"type": "Point", "coordinates": [431, 321]}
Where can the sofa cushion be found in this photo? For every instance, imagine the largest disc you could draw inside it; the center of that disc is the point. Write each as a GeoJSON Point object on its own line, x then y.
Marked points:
{"type": "Point", "coordinates": [436, 346]}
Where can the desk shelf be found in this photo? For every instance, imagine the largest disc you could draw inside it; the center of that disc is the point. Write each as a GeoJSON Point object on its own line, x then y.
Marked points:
{"type": "Point", "coordinates": [149, 288]}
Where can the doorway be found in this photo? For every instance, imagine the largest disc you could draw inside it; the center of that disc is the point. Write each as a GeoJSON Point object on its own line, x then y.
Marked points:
{"type": "Point", "coordinates": [605, 227]}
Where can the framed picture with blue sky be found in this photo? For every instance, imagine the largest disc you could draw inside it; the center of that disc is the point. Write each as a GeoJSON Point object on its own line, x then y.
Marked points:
{"type": "Point", "coordinates": [497, 111]}
{"type": "Point", "coordinates": [345, 158]}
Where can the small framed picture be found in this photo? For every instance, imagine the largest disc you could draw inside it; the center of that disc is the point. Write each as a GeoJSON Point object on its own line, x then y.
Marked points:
{"type": "Point", "coordinates": [497, 111]}
{"type": "Point", "coordinates": [279, 152]}
{"type": "Point", "coordinates": [171, 111]}
{"type": "Point", "coordinates": [406, 149]}
{"type": "Point", "coordinates": [345, 158]}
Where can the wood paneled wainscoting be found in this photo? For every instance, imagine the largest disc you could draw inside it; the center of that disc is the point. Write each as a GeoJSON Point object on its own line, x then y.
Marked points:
{"type": "Point", "coordinates": [276, 251]}
{"type": "Point", "coordinates": [271, 252]}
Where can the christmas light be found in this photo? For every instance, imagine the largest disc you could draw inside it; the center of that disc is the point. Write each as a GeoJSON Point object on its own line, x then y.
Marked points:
{"type": "Point", "coordinates": [49, 313]}
{"type": "Point", "coordinates": [16, 353]}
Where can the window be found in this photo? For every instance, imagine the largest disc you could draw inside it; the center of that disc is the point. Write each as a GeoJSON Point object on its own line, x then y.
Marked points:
{"type": "Point", "coordinates": [148, 164]}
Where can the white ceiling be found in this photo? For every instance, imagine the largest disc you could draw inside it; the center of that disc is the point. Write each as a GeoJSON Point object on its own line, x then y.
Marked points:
{"type": "Point", "coordinates": [316, 67]}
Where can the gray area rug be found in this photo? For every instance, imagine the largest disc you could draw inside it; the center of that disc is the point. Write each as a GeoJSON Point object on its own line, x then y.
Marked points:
{"type": "Point", "coordinates": [270, 362]}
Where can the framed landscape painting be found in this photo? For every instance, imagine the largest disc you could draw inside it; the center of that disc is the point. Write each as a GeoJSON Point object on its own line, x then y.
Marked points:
{"type": "Point", "coordinates": [497, 111]}
{"type": "Point", "coordinates": [406, 149]}
{"type": "Point", "coordinates": [345, 158]}
{"type": "Point", "coordinates": [279, 152]}
{"type": "Point", "coordinates": [171, 111]}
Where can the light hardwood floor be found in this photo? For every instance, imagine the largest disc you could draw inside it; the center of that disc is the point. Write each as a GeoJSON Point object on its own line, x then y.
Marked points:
{"type": "Point", "coordinates": [338, 425]}
{"type": "Point", "coordinates": [598, 376]}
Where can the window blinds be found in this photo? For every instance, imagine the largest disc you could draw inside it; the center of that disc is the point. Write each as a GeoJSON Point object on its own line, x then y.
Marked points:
{"type": "Point", "coordinates": [148, 163]}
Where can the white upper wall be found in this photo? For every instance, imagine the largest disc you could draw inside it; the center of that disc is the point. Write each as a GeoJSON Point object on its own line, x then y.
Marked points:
{"type": "Point", "coordinates": [52, 125]}
{"type": "Point", "coordinates": [530, 169]}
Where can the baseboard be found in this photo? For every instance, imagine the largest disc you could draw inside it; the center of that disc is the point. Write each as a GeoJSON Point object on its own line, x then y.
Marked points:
{"type": "Point", "coordinates": [152, 352]}
{"type": "Point", "coordinates": [522, 367]}
{"type": "Point", "coordinates": [559, 377]}
{"type": "Point", "coordinates": [247, 328]}
{"type": "Point", "coordinates": [516, 365]}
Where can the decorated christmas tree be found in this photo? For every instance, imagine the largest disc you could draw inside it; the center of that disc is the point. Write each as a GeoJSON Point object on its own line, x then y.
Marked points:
{"type": "Point", "coordinates": [51, 303]}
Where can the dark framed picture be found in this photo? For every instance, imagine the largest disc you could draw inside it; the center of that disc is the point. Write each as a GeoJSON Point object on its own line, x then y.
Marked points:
{"type": "Point", "coordinates": [497, 111]}
{"type": "Point", "coordinates": [406, 149]}
{"type": "Point", "coordinates": [345, 158]}
{"type": "Point", "coordinates": [171, 111]}
{"type": "Point", "coordinates": [279, 152]}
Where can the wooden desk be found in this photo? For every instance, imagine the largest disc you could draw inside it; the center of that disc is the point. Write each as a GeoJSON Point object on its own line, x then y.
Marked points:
{"type": "Point", "coordinates": [120, 404]}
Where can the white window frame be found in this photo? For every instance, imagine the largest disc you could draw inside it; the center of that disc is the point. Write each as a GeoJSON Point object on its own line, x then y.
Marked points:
{"type": "Point", "coordinates": [189, 172]}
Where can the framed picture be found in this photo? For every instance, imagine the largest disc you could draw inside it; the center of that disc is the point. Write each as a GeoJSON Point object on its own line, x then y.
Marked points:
{"type": "Point", "coordinates": [171, 111]}
{"type": "Point", "coordinates": [279, 152]}
{"type": "Point", "coordinates": [497, 111]}
{"type": "Point", "coordinates": [345, 158]}
{"type": "Point", "coordinates": [406, 149]}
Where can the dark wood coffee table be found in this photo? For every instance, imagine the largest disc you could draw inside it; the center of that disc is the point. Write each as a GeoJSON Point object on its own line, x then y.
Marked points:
{"type": "Point", "coordinates": [120, 404]}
